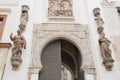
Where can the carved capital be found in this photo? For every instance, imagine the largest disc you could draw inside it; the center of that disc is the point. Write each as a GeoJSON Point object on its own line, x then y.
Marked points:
{"type": "Point", "coordinates": [88, 70]}
{"type": "Point", "coordinates": [35, 70]}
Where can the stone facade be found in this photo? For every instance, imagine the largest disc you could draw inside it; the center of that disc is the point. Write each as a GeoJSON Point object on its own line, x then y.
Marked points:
{"type": "Point", "coordinates": [70, 20]}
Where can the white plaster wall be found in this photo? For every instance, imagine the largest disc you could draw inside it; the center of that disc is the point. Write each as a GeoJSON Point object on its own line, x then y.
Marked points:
{"type": "Point", "coordinates": [12, 23]}
{"type": "Point", "coordinates": [113, 25]}
{"type": "Point", "coordinates": [112, 21]}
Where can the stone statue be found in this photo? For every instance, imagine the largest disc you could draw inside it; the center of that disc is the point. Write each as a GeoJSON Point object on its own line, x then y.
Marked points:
{"type": "Point", "coordinates": [24, 20]}
{"type": "Point", "coordinates": [106, 52]}
{"type": "Point", "coordinates": [18, 43]}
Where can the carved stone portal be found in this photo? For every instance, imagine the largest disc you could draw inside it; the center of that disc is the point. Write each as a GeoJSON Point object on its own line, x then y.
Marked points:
{"type": "Point", "coordinates": [75, 33]}
{"type": "Point", "coordinates": [60, 8]}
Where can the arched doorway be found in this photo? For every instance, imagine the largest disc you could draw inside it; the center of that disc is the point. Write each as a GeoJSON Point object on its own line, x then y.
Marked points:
{"type": "Point", "coordinates": [61, 60]}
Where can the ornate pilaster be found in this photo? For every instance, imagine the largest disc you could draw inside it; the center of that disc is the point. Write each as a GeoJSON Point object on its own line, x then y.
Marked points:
{"type": "Point", "coordinates": [103, 41]}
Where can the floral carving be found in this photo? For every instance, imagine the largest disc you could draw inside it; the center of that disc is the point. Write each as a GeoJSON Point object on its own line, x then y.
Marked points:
{"type": "Point", "coordinates": [60, 8]}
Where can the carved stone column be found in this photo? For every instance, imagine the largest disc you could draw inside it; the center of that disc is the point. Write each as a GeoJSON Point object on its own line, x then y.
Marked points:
{"type": "Point", "coordinates": [103, 41]}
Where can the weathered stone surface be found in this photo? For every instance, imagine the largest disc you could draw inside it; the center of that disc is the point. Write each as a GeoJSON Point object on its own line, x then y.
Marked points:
{"type": "Point", "coordinates": [76, 33]}
{"type": "Point", "coordinates": [60, 8]}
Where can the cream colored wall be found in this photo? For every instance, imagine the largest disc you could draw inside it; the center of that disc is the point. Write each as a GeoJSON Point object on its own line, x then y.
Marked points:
{"type": "Point", "coordinates": [83, 14]}
{"type": "Point", "coordinates": [113, 26]}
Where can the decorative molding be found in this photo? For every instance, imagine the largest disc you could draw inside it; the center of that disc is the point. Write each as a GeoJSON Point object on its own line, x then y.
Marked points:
{"type": "Point", "coordinates": [89, 70]}
{"type": "Point", "coordinates": [47, 32]}
{"type": "Point", "coordinates": [5, 45]}
{"type": "Point", "coordinates": [5, 10]}
{"type": "Point", "coordinates": [35, 70]}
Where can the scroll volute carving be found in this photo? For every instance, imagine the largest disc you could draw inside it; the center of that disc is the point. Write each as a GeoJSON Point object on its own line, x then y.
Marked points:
{"type": "Point", "coordinates": [60, 8]}
{"type": "Point", "coordinates": [103, 41]}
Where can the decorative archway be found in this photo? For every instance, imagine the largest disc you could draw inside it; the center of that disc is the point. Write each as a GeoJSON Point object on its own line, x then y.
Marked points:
{"type": "Point", "coordinates": [56, 54]}
{"type": "Point", "coordinates": [77, 34]}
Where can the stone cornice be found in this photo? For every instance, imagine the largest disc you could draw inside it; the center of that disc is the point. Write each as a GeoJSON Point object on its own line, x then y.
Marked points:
{"type": "Point", "coordinates": [5, 10]}
{"type": "Point", "coordinates": [5, 45]}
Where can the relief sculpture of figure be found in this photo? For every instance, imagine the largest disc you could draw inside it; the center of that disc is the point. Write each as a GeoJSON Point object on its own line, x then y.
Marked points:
{"type": "Point", "coordinates": [18, 43]}
{"type": "Point", "coordinates": [24, 20]}
{"type": "Point", "coordinates": [106, 51]}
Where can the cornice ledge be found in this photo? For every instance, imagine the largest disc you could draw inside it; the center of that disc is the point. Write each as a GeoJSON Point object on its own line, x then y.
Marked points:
{"type": "Point", "coordinates": [5, 10]}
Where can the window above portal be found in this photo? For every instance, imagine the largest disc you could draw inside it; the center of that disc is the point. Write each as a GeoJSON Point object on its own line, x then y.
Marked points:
{"type": "Point", "coordinates": [60, 8]}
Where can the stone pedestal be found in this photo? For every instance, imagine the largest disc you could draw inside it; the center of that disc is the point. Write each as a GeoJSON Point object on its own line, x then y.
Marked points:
{"type": "Point", "coordinates": [15, 61]}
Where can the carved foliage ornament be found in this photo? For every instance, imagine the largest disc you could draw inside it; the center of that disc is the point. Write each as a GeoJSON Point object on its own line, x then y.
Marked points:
{"type": "Point", "coordinates": [60, 8]}
{"type": "Point", "coordinates": [103, 41]}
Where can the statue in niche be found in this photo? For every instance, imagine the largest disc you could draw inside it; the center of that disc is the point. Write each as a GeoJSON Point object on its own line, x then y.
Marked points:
{"type": "Point", "coordinates": [18, 43]}
{"type": "Point", "coordinates": [106, 52]}
{"type": "Point", "coordinates": [60, 8]}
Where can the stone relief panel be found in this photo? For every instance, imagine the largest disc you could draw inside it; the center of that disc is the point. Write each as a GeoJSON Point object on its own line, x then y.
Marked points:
{"type": "Point", "coordinates": [75, 33]}
{"type": "Point", "coordinates": [60, 8]}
